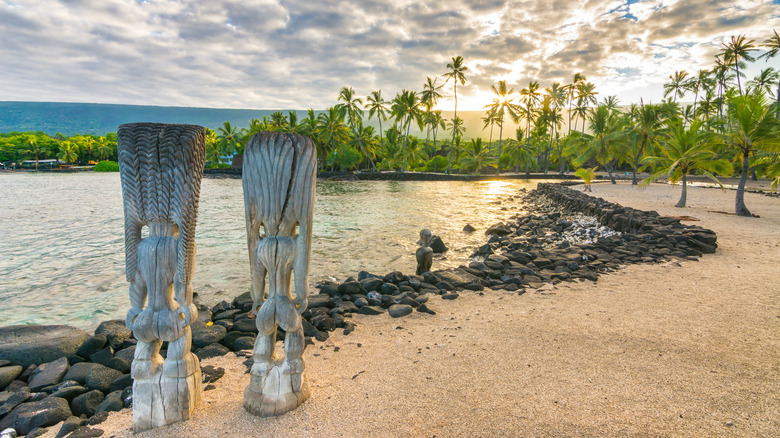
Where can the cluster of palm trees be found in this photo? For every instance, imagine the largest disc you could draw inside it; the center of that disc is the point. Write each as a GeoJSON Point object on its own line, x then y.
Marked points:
{"type": "Point", "coordinates": [728, 129]}
{"type": "Point", "coordinates": [17, 146]}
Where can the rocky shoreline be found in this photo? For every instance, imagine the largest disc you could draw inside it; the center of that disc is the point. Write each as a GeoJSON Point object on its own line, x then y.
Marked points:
{"type": "Point", "coordinates": [570, 237]}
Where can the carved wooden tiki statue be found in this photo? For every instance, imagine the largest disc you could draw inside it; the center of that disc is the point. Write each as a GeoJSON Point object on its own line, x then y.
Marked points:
{"type": "Point", "coordinates": [161, 167]}
{"type": "Point", "coordinates": [279, 180]}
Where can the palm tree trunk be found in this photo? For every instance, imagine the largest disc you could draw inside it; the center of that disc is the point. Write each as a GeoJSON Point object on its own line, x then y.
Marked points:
{"type": "Point", "coordinates": [684, 196]}
{"type": "Point", "coordinates": [500, 136]}
{"type": "Point", "coordinates": [360, 143]}
{"type": "Point", "coordinates": [435, 153]}
{"type": "Point", "coordinates": [406, 137]}
{"type": "Point", "coordinates": [739, 84]}
{"type": "Point", "coordinates": [527, 147]}
{"type": "Point", "coordinates": [741, 208]}
{"type": "Point", "coordinates": [454, 126]}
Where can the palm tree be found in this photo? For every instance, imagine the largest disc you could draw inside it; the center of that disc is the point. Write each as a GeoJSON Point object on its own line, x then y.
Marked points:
{"type": "Point", "coordinates": [214, 148]}
{"type": "Point", "coordinates": [586, 94]}
{"type": "Point", "coordinates": [436, 122]}
{"type": "Point", "coordinates": [405, 108]}
{"type": "Point", "coordinates": [331, 130]}
{"type": "Point", "coordinates": [587, 175]}
{"type": "Point", "coordinates": [103, 148]}
{"type": "Point", "coordinates": [764, 81]}
{"type": "Point", "coordinates": [737, 49]}
{"type": "Point", "coordinates": [430, 97]}
{"type": "Point", "coordinates": [677, 84]}
{"type": "Point", "coordinates": [571, 91]}
{"type": "Point", "coordinates": [773, 44]}
{"type": "Point", "coordinates": [350, 106]}
{"type": "Point", "coordinates": [35, 149]}
{"type": "Point", "coordinates": [701, 79]}
{"type": "Point", "coordinates": [645, 123]}
{"type": "Point", "coordinates": [457, 72]}
{"type": "Point", "coordinates": [684, 150]}
{"type": "Point", "coordinates": [229, 135]}
{"type": "Point", "coordinates": [489, 120]}
{"type": "Point", "coordinates": [376, 105]}
{"type": "Point", "coordinates": [752, 126]}
{"type": "Point", "coordinates": [530, 97]}
{"type": "Point", "coordinates": [502, 105]}
{"type": "Point", "coordinates": [67, 153]}
{"type": "Point", "coordinates": [278, 122]}
{"type": "Point", "coordinates": [607, 129]}
{"type": "Point", "coordinates": [478, 155]}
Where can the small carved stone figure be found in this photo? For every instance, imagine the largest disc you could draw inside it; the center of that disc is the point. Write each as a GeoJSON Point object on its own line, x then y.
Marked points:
{"type": "Point", "coordinates": [424, 252]}
{"type": "Point", "coordinates": [279, 181]}
{"type": "Point", "coordinates": [161, 167]}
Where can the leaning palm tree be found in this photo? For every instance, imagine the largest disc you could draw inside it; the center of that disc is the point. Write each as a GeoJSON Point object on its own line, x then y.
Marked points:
{"type": "Point", "coordinates": [736, 50]}
{"type": "Point", "coordinates": [684, 150]}
{"type": "Point", "coordinates": [457, 72]}
{"type": "Point", "coordinates": [571, 91]}
{"type": "Point", "coordinates": [586, 95]}
{"type": "Point", "coordinates": [677, 85]}
{"type": "Point", "coordinates": [503, 105]}
{"type": "Point", "coordinates": [376, 105]}
{"type": "Point", "coordinates": [350, 107]}
{"type": "Point", "coordinates": [752, 126]}
{"type": "Point", "coordinates": [406, 108]}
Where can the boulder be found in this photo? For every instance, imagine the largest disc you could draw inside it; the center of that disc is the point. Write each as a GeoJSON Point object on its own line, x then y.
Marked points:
{"type": "Point", "coordinates": [27, 416]}
{"type": "Point", "coordinates": [399, 310]}
{"type": "Point", "coordinates": [499, 229]}
{"type": "Point", "coordinates": [457, 278]}
{"type": "Point", "coordinates": [79, 371]}
{"type": "Point", "coordinates": [231, 337]}
{"type": "Point", "coordinates": [437, 245]}
{"type": "Point", "coordinates": [48, 374]}
{"type": "Point", "coordinates": [112, 403]}
{"type": "Point", "coordinates": [103, 356]}
{"type": "Point", "coordinates": [69, 425]}
{"type": "Point", "coordinates": [243, 300]}
{"type": "Point", "coordinates": [92, 345]}
{"type": "Point", "coordinates": [69, 392]}
{"type": "Point", "coordinates": [319, 300]}
{"type": "Point", "coordinates": [87, 403]}
{"type": "Point", "coordinates": [121, 383]}
{"type": "Point", "coordinates": [371, 310]}
{"type": "Point", "coordinates": [16, 398]}
{"type": "Point", "coordinates": [203, 335]}
{"type": "Point", "coordinates": [469, 229]}
{"type": "Point", "coordinates": [8, 374]}
{"type": "Point", "coordinates": [36, 344]}
{"type": "Point", "coordinates": [212, 350]}
{"type": "Point", "coordinates": [244, 343]}
{"type": "Point", "coordinates": [101, 378]}
{"type": "Point", "coordinates": [115, 332]}
{"type": "Point", "coordinates": [245, 325]}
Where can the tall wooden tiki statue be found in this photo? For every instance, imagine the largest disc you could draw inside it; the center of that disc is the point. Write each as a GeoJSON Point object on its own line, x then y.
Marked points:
{"type": "Point", "coordinates": [279, 173]}
{"type": "Point", "coordinates": [161, 167]}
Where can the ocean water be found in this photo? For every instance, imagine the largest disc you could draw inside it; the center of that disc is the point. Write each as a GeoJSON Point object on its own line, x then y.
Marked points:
{"type": "Point", "coordinates": [62, 238]}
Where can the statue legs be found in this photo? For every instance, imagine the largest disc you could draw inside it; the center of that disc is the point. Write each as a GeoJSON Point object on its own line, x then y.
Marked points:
{"type": "Point", "coordinates": [164, 391]}
{"type": "Point", "coordinates": [277, 384]}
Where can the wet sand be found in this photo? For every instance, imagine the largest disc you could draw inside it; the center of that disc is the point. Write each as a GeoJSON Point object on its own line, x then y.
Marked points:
{"type": "Point", "coordinates": [684, 348]}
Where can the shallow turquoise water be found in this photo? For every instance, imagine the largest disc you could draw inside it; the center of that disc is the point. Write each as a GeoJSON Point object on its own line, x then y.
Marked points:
{"type": "Point", "coordinates": [62, 241]}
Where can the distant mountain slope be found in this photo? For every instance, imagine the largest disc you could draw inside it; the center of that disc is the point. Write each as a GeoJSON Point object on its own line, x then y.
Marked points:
{"type": "Point", "coordinates": [98, 118]}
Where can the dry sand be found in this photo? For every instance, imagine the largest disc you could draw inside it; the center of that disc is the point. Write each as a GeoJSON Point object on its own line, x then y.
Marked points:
{"type": "Point", "coordinates": [686, 348]}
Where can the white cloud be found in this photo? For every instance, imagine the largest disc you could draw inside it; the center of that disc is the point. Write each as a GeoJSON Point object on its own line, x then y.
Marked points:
{"type": "Point", "coordinates": [297, 54]}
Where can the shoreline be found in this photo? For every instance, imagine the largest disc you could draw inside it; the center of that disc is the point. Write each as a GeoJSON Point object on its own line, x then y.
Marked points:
{"type": "Point", "coordinates": [648, 350]}
{"type": "Point", "coordinates": [553, 321]}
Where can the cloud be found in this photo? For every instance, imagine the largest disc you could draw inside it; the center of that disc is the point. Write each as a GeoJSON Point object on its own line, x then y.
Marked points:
{"type": "Point", "coordinates": [274, 54]}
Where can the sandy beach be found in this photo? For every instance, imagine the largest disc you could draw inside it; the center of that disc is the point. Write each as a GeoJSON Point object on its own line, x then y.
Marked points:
{"type": "Point", "coordinates": [683, 348]}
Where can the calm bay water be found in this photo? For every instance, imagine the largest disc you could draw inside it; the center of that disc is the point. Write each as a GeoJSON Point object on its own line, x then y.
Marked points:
{"type": "Point", "coordinates": [62, 241]}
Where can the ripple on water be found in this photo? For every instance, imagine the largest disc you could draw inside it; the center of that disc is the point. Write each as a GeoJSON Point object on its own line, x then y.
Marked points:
{"type": "Point", "coordinates": [62, 244]}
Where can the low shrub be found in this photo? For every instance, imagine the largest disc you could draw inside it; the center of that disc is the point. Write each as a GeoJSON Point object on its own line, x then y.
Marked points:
{"type": "Point", "coordinates": [107, 166]}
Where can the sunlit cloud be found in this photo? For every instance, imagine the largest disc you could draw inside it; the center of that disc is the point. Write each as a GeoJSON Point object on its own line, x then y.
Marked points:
{"type": "Point", "coordinates": [297, 54]}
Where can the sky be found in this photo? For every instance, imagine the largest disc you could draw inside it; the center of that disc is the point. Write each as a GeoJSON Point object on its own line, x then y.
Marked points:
{"type": "Point", "coordinates": [271, 54]}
